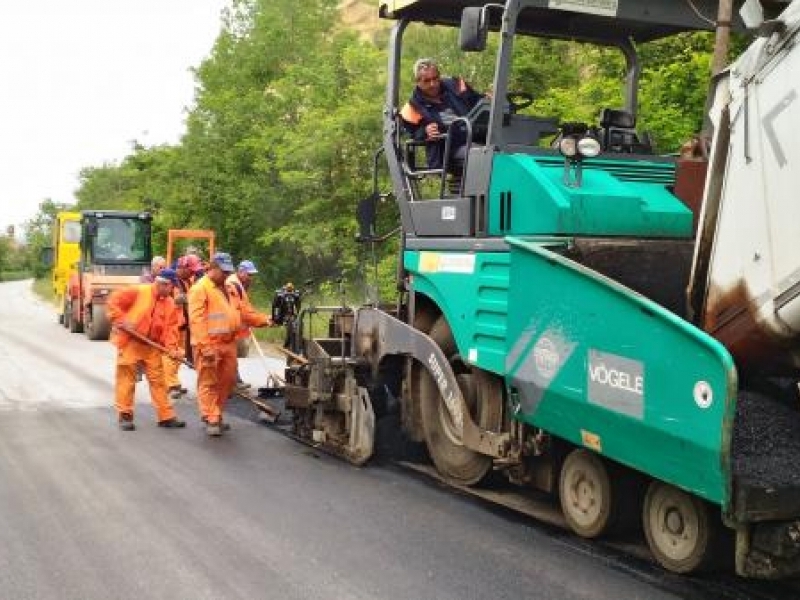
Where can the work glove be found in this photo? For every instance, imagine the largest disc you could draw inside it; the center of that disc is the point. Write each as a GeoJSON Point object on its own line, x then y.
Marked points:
{"type": "Point", "coordinates": [181, 300]}
{"type": "Point", "coordinates": [176, 354]}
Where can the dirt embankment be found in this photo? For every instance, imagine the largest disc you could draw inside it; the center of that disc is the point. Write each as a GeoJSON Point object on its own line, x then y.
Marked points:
{"type": "Point", "coordinates": [361, 16]}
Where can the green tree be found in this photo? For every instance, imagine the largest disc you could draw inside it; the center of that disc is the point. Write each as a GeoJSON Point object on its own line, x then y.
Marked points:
{"type": "Point", "coordinates": [5, 254]}
{"type": "Point", "coordinates": [280, 142]}
{"type": "Point", "coordinates": [39, 234]}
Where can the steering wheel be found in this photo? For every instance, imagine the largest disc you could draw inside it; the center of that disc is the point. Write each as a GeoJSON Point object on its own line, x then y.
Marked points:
{"type": "Point", "coordinates": [518, 100]}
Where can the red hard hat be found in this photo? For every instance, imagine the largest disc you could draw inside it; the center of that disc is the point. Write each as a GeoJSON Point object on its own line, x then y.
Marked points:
{"type": "Point", "coordinates": [190, 262]}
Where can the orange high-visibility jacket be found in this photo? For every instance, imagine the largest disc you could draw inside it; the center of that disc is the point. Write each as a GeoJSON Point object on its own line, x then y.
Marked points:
{"type": "Point", "coordinates": [213, 318]}
{"type": "Point", "coordinates": [140, 307]}
{"type": "Point", "coordinates": [239, 298]}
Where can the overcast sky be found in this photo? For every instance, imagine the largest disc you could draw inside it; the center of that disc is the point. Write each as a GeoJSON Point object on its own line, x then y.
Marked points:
{"type": "Point", "coordinates": [81, 79]}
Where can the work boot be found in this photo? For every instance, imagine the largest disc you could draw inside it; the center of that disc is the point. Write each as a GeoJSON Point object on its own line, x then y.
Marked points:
{"type": "Point", "coordinates": [214, 429]}
{"type": "Point", "coordinates": [222, 424]}
{"type": "Point", "coordinates": [172, 423]}
{"type": "Point", "coordinates": [176, 391]}
{"type": "Point", "coordinates": [126, 422]}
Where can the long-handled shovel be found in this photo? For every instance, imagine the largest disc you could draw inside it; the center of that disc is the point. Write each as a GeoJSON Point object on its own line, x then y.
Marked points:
{"type": "Point", "coordinates": [295, 357]}
{"type": "Point", "coordinates": [271, 413]}
{"type": "Point", "coordinates": [272, 389]}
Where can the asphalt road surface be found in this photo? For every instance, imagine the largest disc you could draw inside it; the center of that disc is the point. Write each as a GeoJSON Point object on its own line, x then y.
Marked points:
{"type": "Point", "coordinates": [90, 512]}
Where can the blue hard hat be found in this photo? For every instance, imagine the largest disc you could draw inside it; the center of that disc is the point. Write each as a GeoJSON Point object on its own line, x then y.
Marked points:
{"type": "Point", "coordinates": [223, 261]}
{"type": "Point", "coordinates": [167, 276]}
{"type": "Point", "coordinates": [248, 267]}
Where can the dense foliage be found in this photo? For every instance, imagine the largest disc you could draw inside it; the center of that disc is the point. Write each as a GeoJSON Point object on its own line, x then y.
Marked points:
{"type": "Point", "coordinates": [38, 234]}
{"type": "Point", "coordinates": [279, 145]}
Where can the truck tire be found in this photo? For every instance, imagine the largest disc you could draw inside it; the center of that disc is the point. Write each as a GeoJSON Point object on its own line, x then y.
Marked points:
{"type": "Point", "coordinates": [484, 397]}
{"type": "Point", "coordinates": [75, 326]}
{"type": "Point", "coordinates": [64, 318]}
{"type": "Point", "coordinates": [679, 527]}
{"type": "Point", "coordinates": [98, 326]}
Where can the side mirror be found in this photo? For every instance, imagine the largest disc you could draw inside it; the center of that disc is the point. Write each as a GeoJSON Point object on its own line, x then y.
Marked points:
{"type": "Point", "coordinates": [474, 29]}
{"type": "Point", "coordinates": [46, 256]}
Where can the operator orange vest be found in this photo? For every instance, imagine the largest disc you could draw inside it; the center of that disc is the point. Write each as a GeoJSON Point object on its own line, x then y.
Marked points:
{"type": "Point", "coordinates": [213, 318]}
{"type": "Point", "coordinates": [154, 318]}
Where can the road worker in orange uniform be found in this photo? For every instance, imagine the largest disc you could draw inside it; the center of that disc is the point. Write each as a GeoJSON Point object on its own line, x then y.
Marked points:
{"type": "Point", "coordinates": [186, 266]}
{"type": "Point", "coordinates": [214, 322]}
{"type": "Point", "coordinates": [148, 310]}
{"type": "Point", "coordinates": [237, 285]}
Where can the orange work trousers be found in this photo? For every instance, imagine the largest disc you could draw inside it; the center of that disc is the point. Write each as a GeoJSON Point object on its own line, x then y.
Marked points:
{"type": "Point", "coordinates": [171, 366]}
{"type": "Point", "coordinates": [127, 358]}
{"type": "Point", "coordinates": [215, 380]}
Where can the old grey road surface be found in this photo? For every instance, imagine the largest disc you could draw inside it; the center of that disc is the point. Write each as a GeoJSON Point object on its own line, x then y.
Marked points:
{"type": "Point", "coordinates": [90, 512]}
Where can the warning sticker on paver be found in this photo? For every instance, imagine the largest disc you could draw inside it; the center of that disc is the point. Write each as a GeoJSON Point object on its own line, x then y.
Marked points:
{"type": "Point", "coordinates": [436, 262]}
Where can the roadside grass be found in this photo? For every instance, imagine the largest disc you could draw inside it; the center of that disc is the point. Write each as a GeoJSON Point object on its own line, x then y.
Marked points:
{"type": "Point", "coordinates": [15, 275]}
{"type": "Point", "coordinates": [277, 335]}
{"type": "Point", "coordinates": [262, 301]}
{"type": "Point", "coordinates": [271, 335]}
{"type": "Point", "coordinates": [43, 288]}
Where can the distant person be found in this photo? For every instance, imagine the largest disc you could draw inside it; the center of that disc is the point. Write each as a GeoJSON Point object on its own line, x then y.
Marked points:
{"type": "Point", "coordinates": [195, 265]}
{"type": "Point", "coordinates": [158, 264]}
{"type": "Point", "coordinates": [285, 310]}
{"type": "Point", "coordinates": [434, 105]}
{"type": "Point", "coordinates": [186, 268]}
{"type": "Point", "coordinates": [237, 284]}
{"type": "Point", "coordinates": [150, 311]}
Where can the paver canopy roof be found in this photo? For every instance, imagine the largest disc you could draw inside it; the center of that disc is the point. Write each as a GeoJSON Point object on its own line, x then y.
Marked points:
{"type": "Point", "coordinates": [602, 21]}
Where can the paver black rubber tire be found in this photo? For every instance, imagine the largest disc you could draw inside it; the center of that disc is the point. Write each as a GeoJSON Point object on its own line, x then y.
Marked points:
{"type": "Point", "coordinates": [483, 394]}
